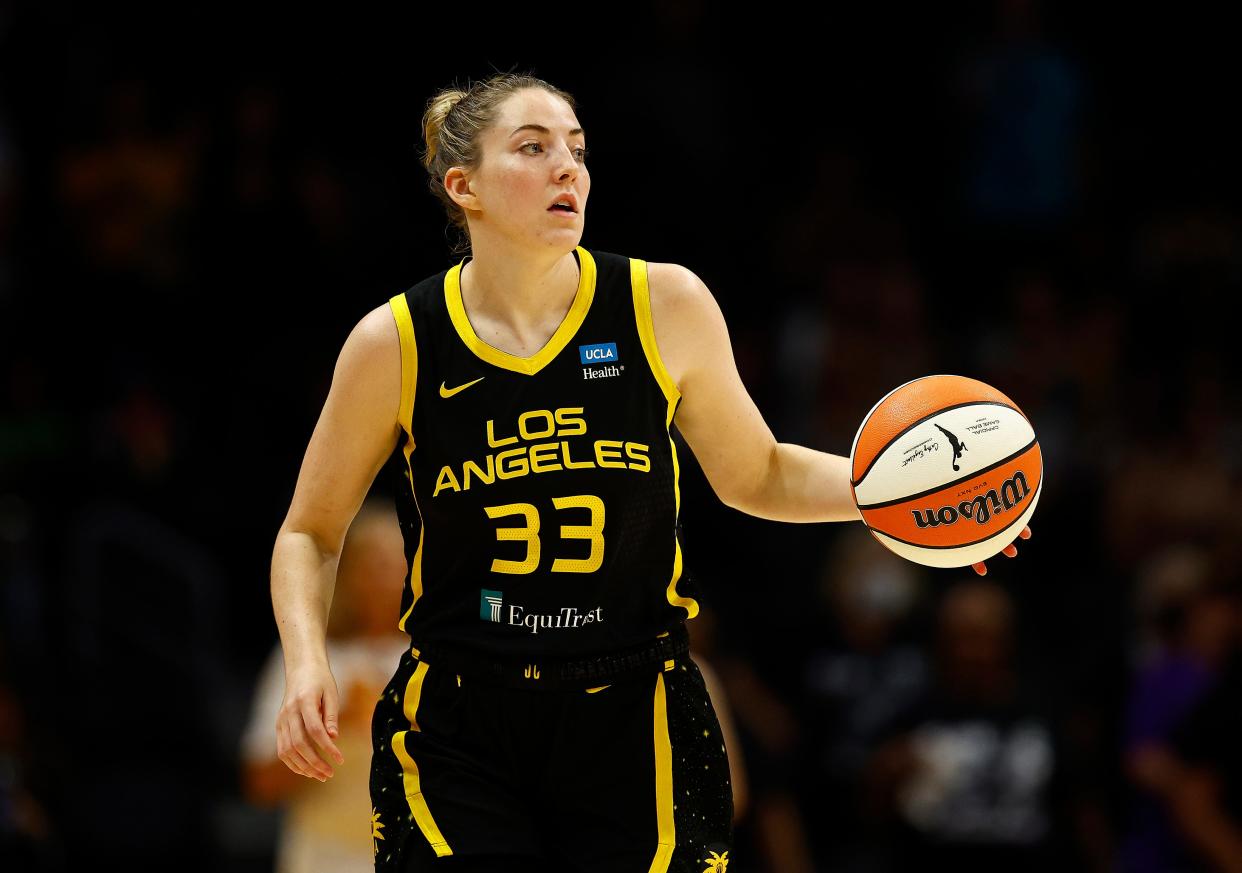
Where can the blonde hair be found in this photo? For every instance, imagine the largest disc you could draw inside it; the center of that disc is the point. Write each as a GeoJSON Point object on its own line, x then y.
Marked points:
{"type": "Point", "coordinates": [453, 124]}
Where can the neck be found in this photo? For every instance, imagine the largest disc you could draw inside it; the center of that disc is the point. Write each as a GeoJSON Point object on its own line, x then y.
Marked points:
{"type": "Point", "coordinates": [520, 291]}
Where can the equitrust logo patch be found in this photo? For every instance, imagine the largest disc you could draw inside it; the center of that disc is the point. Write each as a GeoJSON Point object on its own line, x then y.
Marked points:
{"type": "Point", "coordinates": [600, 360]}
{"type": "Point", "coordinates": [490, 603]}
{"type": "Point", "coordinates": [492, 607]}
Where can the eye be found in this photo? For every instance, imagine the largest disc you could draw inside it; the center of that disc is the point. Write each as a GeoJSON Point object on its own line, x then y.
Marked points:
{"type": "Point", "coordinates": [581, 151]}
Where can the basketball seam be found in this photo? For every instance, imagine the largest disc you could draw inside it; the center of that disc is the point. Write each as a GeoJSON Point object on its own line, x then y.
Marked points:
{"type": "Point", "coordinates": [958, 481]}
{"type": "Point", "coordinates": [878, 404]}
{"type": "Point", "coordinates": [927, 417]}
{"type": "Point", "coordinates": [876, 530]}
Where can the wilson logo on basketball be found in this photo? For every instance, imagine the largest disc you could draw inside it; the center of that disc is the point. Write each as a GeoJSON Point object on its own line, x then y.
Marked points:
{"type": "Point", "coordinates": [1012, 492]}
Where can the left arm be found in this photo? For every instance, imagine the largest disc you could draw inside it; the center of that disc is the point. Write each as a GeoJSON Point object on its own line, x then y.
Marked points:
{"type": "Point", "coordinates": [747, 468]}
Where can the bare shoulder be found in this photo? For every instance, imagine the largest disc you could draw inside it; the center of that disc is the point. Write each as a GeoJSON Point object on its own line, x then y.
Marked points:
{"type": "Point", "coordinates": [376, 332]}
{"type": "Point", "coordinates": [673, 285]}
{"type": "Point", "coordinates": [368, 368]}
{"type": "Point", "coordinates": [685, 314]}
{"type": "Point", "coordinates": [356, 431]}
{"type": "Point", "coordinates": [372, 350]}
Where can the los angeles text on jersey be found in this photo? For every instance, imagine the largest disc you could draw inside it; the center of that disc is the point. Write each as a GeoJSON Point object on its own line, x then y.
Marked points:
{"type": "Point", "coordinates": [570, 449]}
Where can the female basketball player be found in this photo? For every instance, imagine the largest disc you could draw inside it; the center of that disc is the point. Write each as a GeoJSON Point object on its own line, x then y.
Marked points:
{"type": "Point", "coordinates": [546, 716]}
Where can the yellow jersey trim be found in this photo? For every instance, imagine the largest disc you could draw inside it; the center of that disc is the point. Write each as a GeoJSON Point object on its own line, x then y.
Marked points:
{"type": "Point", "coordinates": [405, 417]}
{"type": "Point", "coordinates": [416, 565]}
{"type": "Point", "coordinates": [413, 784]}
{"type": "Point", "coordinates": [409, 361]}
{"type": "Point", "coordinates": [559, 339]}
{"type": "Point", "coordinates": [663, 783]}
{"type": "Point", "coordinates": [646, 333]}
{"type": "Point", "coordinates": [646, 330]}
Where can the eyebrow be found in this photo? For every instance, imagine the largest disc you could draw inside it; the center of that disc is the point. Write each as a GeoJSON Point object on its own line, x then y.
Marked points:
{"type": "Point", "coordinates": [542, 129]}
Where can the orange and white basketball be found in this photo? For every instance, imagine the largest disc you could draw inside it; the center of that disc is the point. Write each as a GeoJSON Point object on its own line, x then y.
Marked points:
{"type": "Point", "coordinates": [946, 471]}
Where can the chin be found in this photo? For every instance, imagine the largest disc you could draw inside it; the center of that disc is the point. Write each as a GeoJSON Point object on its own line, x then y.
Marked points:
{"type": "Point", "coordinates": [565, 241]}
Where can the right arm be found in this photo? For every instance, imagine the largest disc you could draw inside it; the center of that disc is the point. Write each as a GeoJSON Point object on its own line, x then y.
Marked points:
{"type": "Point", "coordinates": [352, 440]}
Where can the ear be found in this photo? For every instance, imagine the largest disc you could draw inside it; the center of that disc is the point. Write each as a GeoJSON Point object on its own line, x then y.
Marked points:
{"type": "Point", "coordinates": [457, 184]}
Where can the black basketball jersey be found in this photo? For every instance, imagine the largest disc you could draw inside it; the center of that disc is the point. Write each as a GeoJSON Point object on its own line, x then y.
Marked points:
{"type": "Point", "coordinates": [539, 496]}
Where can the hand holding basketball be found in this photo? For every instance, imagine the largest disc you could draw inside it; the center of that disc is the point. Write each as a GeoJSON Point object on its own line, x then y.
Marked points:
{"type": "Point", "coordinates": [944, 470]}
{"type": "Point", "coordinates": [1010, 551]}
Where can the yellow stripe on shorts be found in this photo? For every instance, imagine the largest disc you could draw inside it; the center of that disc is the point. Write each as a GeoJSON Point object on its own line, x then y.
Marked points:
{"type": "Point", "coordinates": [663, 783]}
{"type": "Point", "coordinates": [413, 784]}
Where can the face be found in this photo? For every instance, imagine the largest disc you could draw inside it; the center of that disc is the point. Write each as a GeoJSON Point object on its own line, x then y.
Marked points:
{"type": "Point", "coordinates": [524, 169]}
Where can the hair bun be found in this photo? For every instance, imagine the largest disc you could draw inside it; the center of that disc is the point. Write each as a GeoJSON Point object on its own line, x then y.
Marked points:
{"type": "Point", "coordinates": [454, 139]}
{"type": "Point", "coordinates": [433, 119]}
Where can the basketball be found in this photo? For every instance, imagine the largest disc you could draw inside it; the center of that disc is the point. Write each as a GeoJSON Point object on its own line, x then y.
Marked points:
{"type": "Point", "coordinates": [945, 471]}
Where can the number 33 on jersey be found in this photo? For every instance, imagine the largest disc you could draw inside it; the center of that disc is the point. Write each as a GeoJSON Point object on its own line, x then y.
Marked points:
{"type": "Point", "coordinates": [539, 495]}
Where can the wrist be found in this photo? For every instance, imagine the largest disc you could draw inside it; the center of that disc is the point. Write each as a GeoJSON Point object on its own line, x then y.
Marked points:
{"type": "Point", "coordinates": [305, 656]}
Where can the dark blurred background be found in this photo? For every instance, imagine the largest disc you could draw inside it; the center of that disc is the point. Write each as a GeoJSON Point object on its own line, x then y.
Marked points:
{"type": "Point", "coordinates": [197, 204]}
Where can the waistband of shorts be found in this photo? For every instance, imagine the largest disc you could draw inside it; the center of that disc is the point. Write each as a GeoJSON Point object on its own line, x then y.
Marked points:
{"type": "Point", "coordinates": [539, 672]}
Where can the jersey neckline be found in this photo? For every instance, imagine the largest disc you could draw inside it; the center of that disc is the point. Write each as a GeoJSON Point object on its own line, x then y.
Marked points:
{"type": "Point", "coordinates": [560, 337]}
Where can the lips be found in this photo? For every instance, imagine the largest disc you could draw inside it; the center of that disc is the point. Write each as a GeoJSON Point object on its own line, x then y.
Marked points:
{"type": "Point", "coordinates": [565, 197]}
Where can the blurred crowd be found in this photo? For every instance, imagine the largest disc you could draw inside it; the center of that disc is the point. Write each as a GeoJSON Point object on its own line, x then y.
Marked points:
{"type": "Point", "coordinates": [181, 259]}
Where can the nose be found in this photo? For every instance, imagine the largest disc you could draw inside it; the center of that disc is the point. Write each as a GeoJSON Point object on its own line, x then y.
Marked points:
{"type": "Point", "coordinates": [567, 165]}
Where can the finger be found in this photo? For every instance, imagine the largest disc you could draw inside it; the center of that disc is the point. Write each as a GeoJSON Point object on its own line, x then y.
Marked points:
{"type": "Point", "coordinates": [1011, 550]}
{"type": "Point", "coordinates": [331, 712]}
{"type": "Point", "coordinates": [296, 761]}
{"type": "Point", "coordinates": [318, 733]}
{"type": "Point", "coordinates": [289, 754]}
{"type": "Point", "coordinates": [282, 745]}
{"type": "Point", "coordinates": [302, 743]}
{"type": "Point", "coordinates": [981, 568]}
{"type": "Point", "coordinates": [1026, 532]}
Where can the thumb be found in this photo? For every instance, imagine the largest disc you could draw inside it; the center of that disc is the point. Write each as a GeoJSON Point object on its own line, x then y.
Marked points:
{"type": "Point", "coordinates": [331, 711]}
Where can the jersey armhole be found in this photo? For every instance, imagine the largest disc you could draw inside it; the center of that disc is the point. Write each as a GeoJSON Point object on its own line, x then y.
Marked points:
{"type": "Point", "coordinates": [409, 362]}
{"type": "Point", "coordinates": [646, 332]}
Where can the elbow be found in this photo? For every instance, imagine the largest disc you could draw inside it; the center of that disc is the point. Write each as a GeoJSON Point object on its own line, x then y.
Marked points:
{"type": "Point", "coordinates": [747, 489]}
{"type": "Point", "coordinates": [754, 508]}
{"type": "Point", "coordinates": [322, 542]}
{"type": "Point", "coordinates": [735, 498]}
{"type": "Point", "coordinates": [731, 499]}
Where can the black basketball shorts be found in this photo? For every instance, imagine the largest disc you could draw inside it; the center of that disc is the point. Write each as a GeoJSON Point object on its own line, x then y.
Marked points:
{"type": "Point", "coordinates": [631, 777]}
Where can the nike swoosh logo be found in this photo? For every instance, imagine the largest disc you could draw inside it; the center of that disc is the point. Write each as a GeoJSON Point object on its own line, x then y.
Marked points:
{"type": "Point", "coordinates": [449, 392]}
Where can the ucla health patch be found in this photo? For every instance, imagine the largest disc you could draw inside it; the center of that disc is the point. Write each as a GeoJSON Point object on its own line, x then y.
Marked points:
{"type": "Point", "coordinates": [598, 353]}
